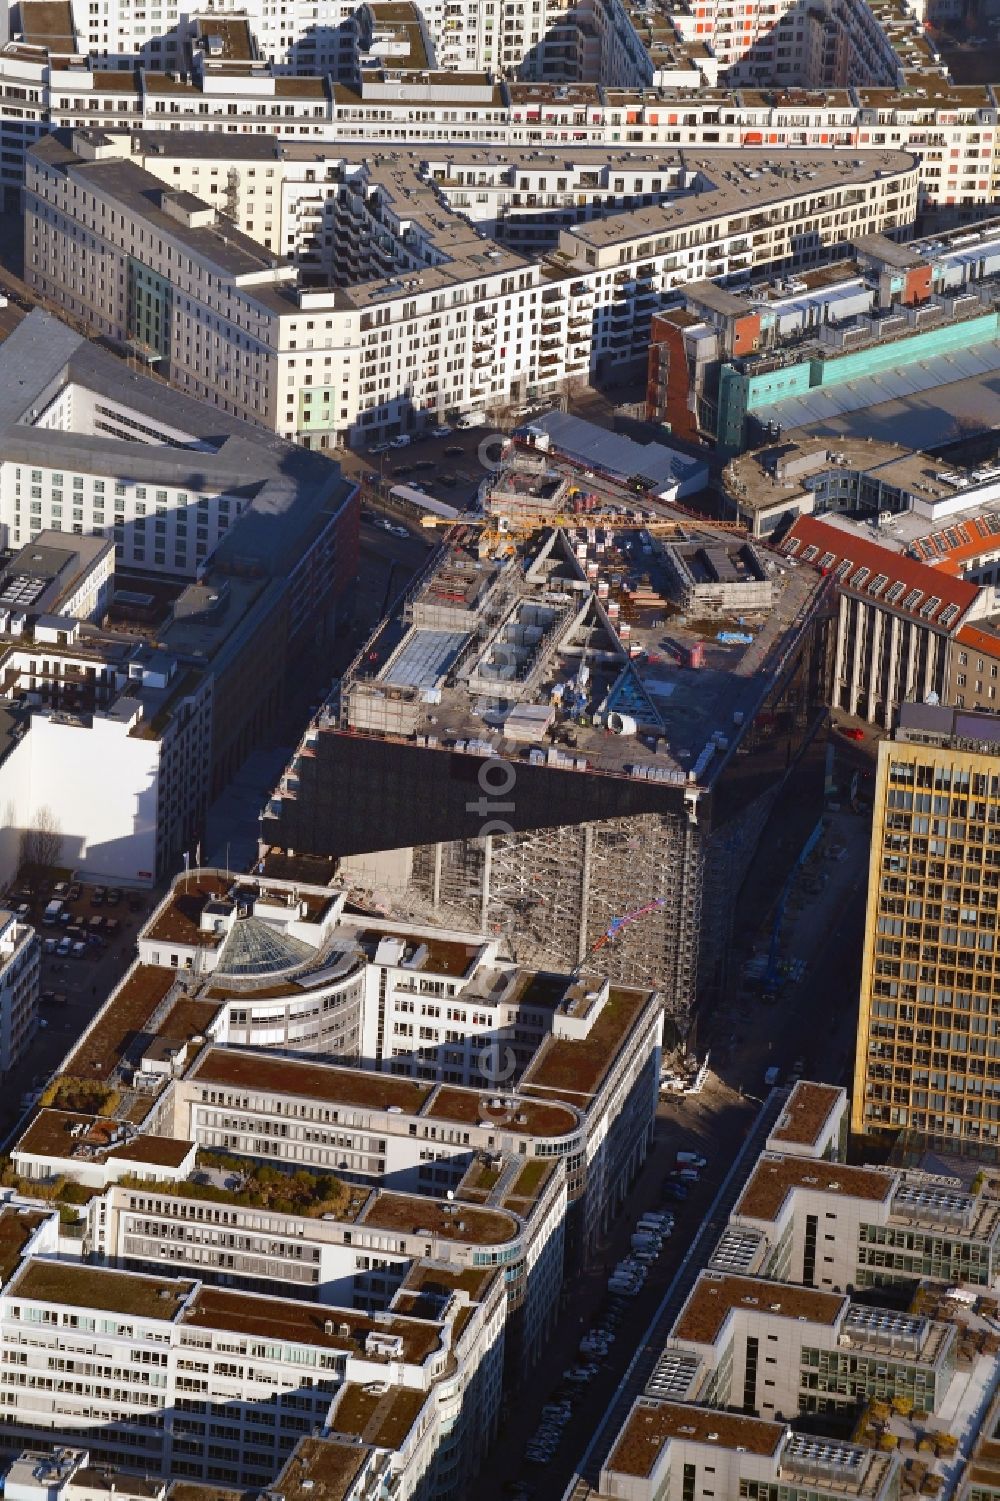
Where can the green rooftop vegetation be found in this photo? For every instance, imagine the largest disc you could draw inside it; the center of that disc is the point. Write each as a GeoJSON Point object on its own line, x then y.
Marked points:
{"type": "Point", "coordinates": [83, 1096]}
{"type": "Point", "coordinates": [261, 1186]}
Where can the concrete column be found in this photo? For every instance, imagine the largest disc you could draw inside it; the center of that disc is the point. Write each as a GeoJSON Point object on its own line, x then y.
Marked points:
{"type": "Point", "coordinates": [838, 665]}
{"type": "Point", "coordinates": [874, 661]}
{"type": "Point", "coordinates": [891, 702]}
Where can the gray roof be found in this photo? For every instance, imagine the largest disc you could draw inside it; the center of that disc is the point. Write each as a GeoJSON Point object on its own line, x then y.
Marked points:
{"type": "Point", "coordinates": [615, 454]}
{"type": "Point", "coordinates": [921, 405]}
{"type": "Point", "coordinates": [292, 490]}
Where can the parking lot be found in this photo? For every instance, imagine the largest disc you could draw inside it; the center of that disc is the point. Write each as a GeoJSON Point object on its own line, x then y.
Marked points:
{"type": "Point", "coordinates": [451, 468]}
{"type": "Point", "coordinates": [73, 985]}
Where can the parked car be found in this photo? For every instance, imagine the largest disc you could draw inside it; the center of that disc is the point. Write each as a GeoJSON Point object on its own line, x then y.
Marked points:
{"type": "Point", "coordinates": [691, 1159]}
{"type": "Point", "coordinates": [850, 731]}
{"type": "Point", "coordinates": [79, 949]}
{"type": "Point", "coordinates": [75, 892]}
{"type": "Point", "coordinates": [444, 431]}
{"type": "Point", "coordinates": [64, 947]}
{"type": "Point", "coordinates": [114, 896]}
{"type": "Point", "coordinates": [97, 896]}
{"type": "Point", "coordinates": [403, 441]}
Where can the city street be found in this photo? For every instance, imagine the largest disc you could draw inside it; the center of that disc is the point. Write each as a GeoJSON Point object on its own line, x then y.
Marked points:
{"type": "Point", "coordinates": [713, 1124]}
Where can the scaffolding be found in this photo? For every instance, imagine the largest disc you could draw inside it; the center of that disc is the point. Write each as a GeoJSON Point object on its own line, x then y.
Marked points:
{"type": "Point", "coordinates": [549, 896]}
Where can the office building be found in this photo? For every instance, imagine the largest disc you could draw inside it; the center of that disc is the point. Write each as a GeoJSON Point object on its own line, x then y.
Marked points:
{"type": "Point", "coordinates": [925, 1046]}
{"type": "Point", "coordinates": [151, 614]}
{"type": "Point", "coordinates": [20, 953]}
{"type": "Point", "coordinates": [770, 1332]}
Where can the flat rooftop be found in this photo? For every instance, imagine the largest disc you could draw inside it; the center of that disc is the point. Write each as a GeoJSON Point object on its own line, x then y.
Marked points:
{"type": "Point", "coordinates": [67, 1134]}
{"type": "Point", "coordinates": [453, 1221]}
{"type": "Point", "coordinates": [99, 1290]}
{"type": "Point", "coordinates": [426, 952]}
{"type": "Point", "coordinates": [344, 1086]}
{"type": "Point", "coordinates": [773, 1179]}
{"type": "Point", "coordinates": [179, 918]}
{"type": "Point", "coordinates": [383, 1419]}
{"type": "Point", "coordinates": [572, 1068]}
{"type": "Point", "coordinates": [759, 185]}
{"type": "Point", "coordinates": [807, 1113]}
{"type": "Point", "coordinates": [121, 1023]}
{"type": "Point", "coordinates": [717, 1294]}
{"type": "Point", "coordinates": [759, 480]}
{"type": "Point", "coordinates": [534, 1117]}
{"type": "Point", "coordinates": [320, 1469]}
{"type": "Point", "coordinates": [259, 1071]}
{"type": "Point", "coordinates": [17, 1226]}
{"type": "Point", "coordinates": [306, 1323]}
{"type": "Point", "coordinates": [651, 1425]}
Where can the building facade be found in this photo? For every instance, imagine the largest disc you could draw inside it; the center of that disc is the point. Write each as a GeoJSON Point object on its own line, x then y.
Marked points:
{"type": "Point", "coordinates": [925, 1040]}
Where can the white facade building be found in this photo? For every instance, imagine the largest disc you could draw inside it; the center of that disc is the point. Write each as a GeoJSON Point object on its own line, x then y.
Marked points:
{"type": "Point", "coordinates": [20, 953]}
{"type": "Point", "coordinates": [449, 323]}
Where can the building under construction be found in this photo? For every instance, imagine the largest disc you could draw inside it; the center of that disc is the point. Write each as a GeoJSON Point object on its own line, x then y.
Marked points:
{"type": "Point", "coordinates": [572, 740]}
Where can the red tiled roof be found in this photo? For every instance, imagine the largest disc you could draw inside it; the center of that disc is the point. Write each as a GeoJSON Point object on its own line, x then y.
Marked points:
{"type": "Point", "coordinates": [904, 586]}
{"type": "Point", "coordinates": [951, 546]}
{"type": "Point", "coordinates": [983, 641]}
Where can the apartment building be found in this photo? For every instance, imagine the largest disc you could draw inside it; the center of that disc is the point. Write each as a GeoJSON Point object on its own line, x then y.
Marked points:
{"type": "Point", "coordinates": [20, 954]}
{"type": "Point", "coordinates": [925, 1038]}
{"type": "Point", "coordinates": [450, 322]}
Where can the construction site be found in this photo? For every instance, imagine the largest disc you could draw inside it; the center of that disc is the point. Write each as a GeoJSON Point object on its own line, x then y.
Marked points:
{"type": "Point", "coordinates": [569, 732]}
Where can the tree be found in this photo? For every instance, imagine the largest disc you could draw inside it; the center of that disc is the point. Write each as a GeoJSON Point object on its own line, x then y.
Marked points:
{"type": "Point", "coordinates": [42, 844]}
